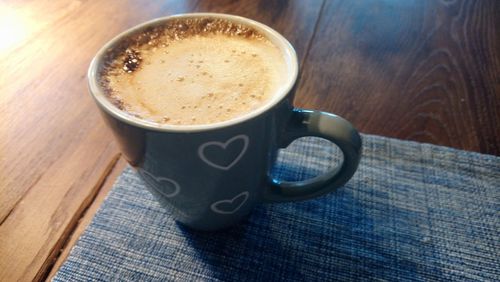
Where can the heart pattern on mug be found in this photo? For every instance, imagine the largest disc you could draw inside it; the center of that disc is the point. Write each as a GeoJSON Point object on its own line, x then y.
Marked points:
{"type": "Point", "coordinates": [230, 206]}
{"type": "Point", "coordinates": [221, 147]}
{"type": "Point", "coordinates": [165, 186]}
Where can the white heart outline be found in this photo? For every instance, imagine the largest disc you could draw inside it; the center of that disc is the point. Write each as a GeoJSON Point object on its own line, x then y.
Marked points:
{"type": "Point", "coordinates": [157, 180]}
{"type": "Point", "coordinates": [215, 209]}
{"type": "Point", "coordinates": [245, 139]}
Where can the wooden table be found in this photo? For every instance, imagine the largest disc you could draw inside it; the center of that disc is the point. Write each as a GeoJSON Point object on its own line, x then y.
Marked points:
{"type": "Point", "coordinates": [427, 71]}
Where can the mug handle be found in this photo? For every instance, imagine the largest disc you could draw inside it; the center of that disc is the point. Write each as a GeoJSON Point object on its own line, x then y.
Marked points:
{"type": "Point", "coordinates": [328, 126]}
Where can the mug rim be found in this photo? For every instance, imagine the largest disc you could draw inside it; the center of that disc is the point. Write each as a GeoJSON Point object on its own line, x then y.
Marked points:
{"type": "Point", "coordinates": [275, 37]}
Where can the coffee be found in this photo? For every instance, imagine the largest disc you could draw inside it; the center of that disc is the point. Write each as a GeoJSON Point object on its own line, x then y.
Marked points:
{"type": "Point", "coordinates": [193, 71]}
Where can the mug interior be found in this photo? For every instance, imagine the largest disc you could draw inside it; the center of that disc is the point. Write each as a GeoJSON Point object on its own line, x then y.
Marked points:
{"type": "Point", "coordinates": [105, 104]}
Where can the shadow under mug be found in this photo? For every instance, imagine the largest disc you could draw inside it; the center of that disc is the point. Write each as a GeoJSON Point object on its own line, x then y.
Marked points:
{"type": "Point", "coordinates": [211, 176]}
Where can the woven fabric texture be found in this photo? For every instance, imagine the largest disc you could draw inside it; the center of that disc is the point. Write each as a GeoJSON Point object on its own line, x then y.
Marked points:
{"type": "Point", "coordinates": [412, 211]}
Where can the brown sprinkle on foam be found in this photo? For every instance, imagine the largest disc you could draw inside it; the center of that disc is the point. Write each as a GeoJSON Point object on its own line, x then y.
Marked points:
{"type": "Point", "coordinates": [131, 61]}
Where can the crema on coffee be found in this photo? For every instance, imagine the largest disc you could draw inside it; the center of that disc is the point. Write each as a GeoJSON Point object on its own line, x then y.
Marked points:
{"type": "Point", "coordinates": [193, 71]}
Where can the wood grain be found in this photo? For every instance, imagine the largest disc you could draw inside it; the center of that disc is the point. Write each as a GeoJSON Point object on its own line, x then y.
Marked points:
{"type": "Point", "coordinates": [87, 216]}
{"type": "Point", "coordinates": [427, 71]}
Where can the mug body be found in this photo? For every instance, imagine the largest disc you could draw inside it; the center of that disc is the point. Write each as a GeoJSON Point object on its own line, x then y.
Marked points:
{"type": "Point", "coordinates": [207, 179]}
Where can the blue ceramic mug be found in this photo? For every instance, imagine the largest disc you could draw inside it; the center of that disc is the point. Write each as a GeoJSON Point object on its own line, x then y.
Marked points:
{"type": "Point", "coordinates": [211, 176]}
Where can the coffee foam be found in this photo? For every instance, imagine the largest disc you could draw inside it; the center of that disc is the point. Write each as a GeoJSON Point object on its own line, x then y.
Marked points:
{"type": "Point", "coordinates": [194, 71]}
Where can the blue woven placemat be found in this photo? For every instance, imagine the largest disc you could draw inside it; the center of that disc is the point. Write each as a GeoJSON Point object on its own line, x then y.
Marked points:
{"type": "Point", "coordinates": [412, 212]}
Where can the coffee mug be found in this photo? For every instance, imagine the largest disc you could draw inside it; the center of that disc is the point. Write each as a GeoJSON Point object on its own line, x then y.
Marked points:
{"type": "Point", "coordinates": [211, 176]}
